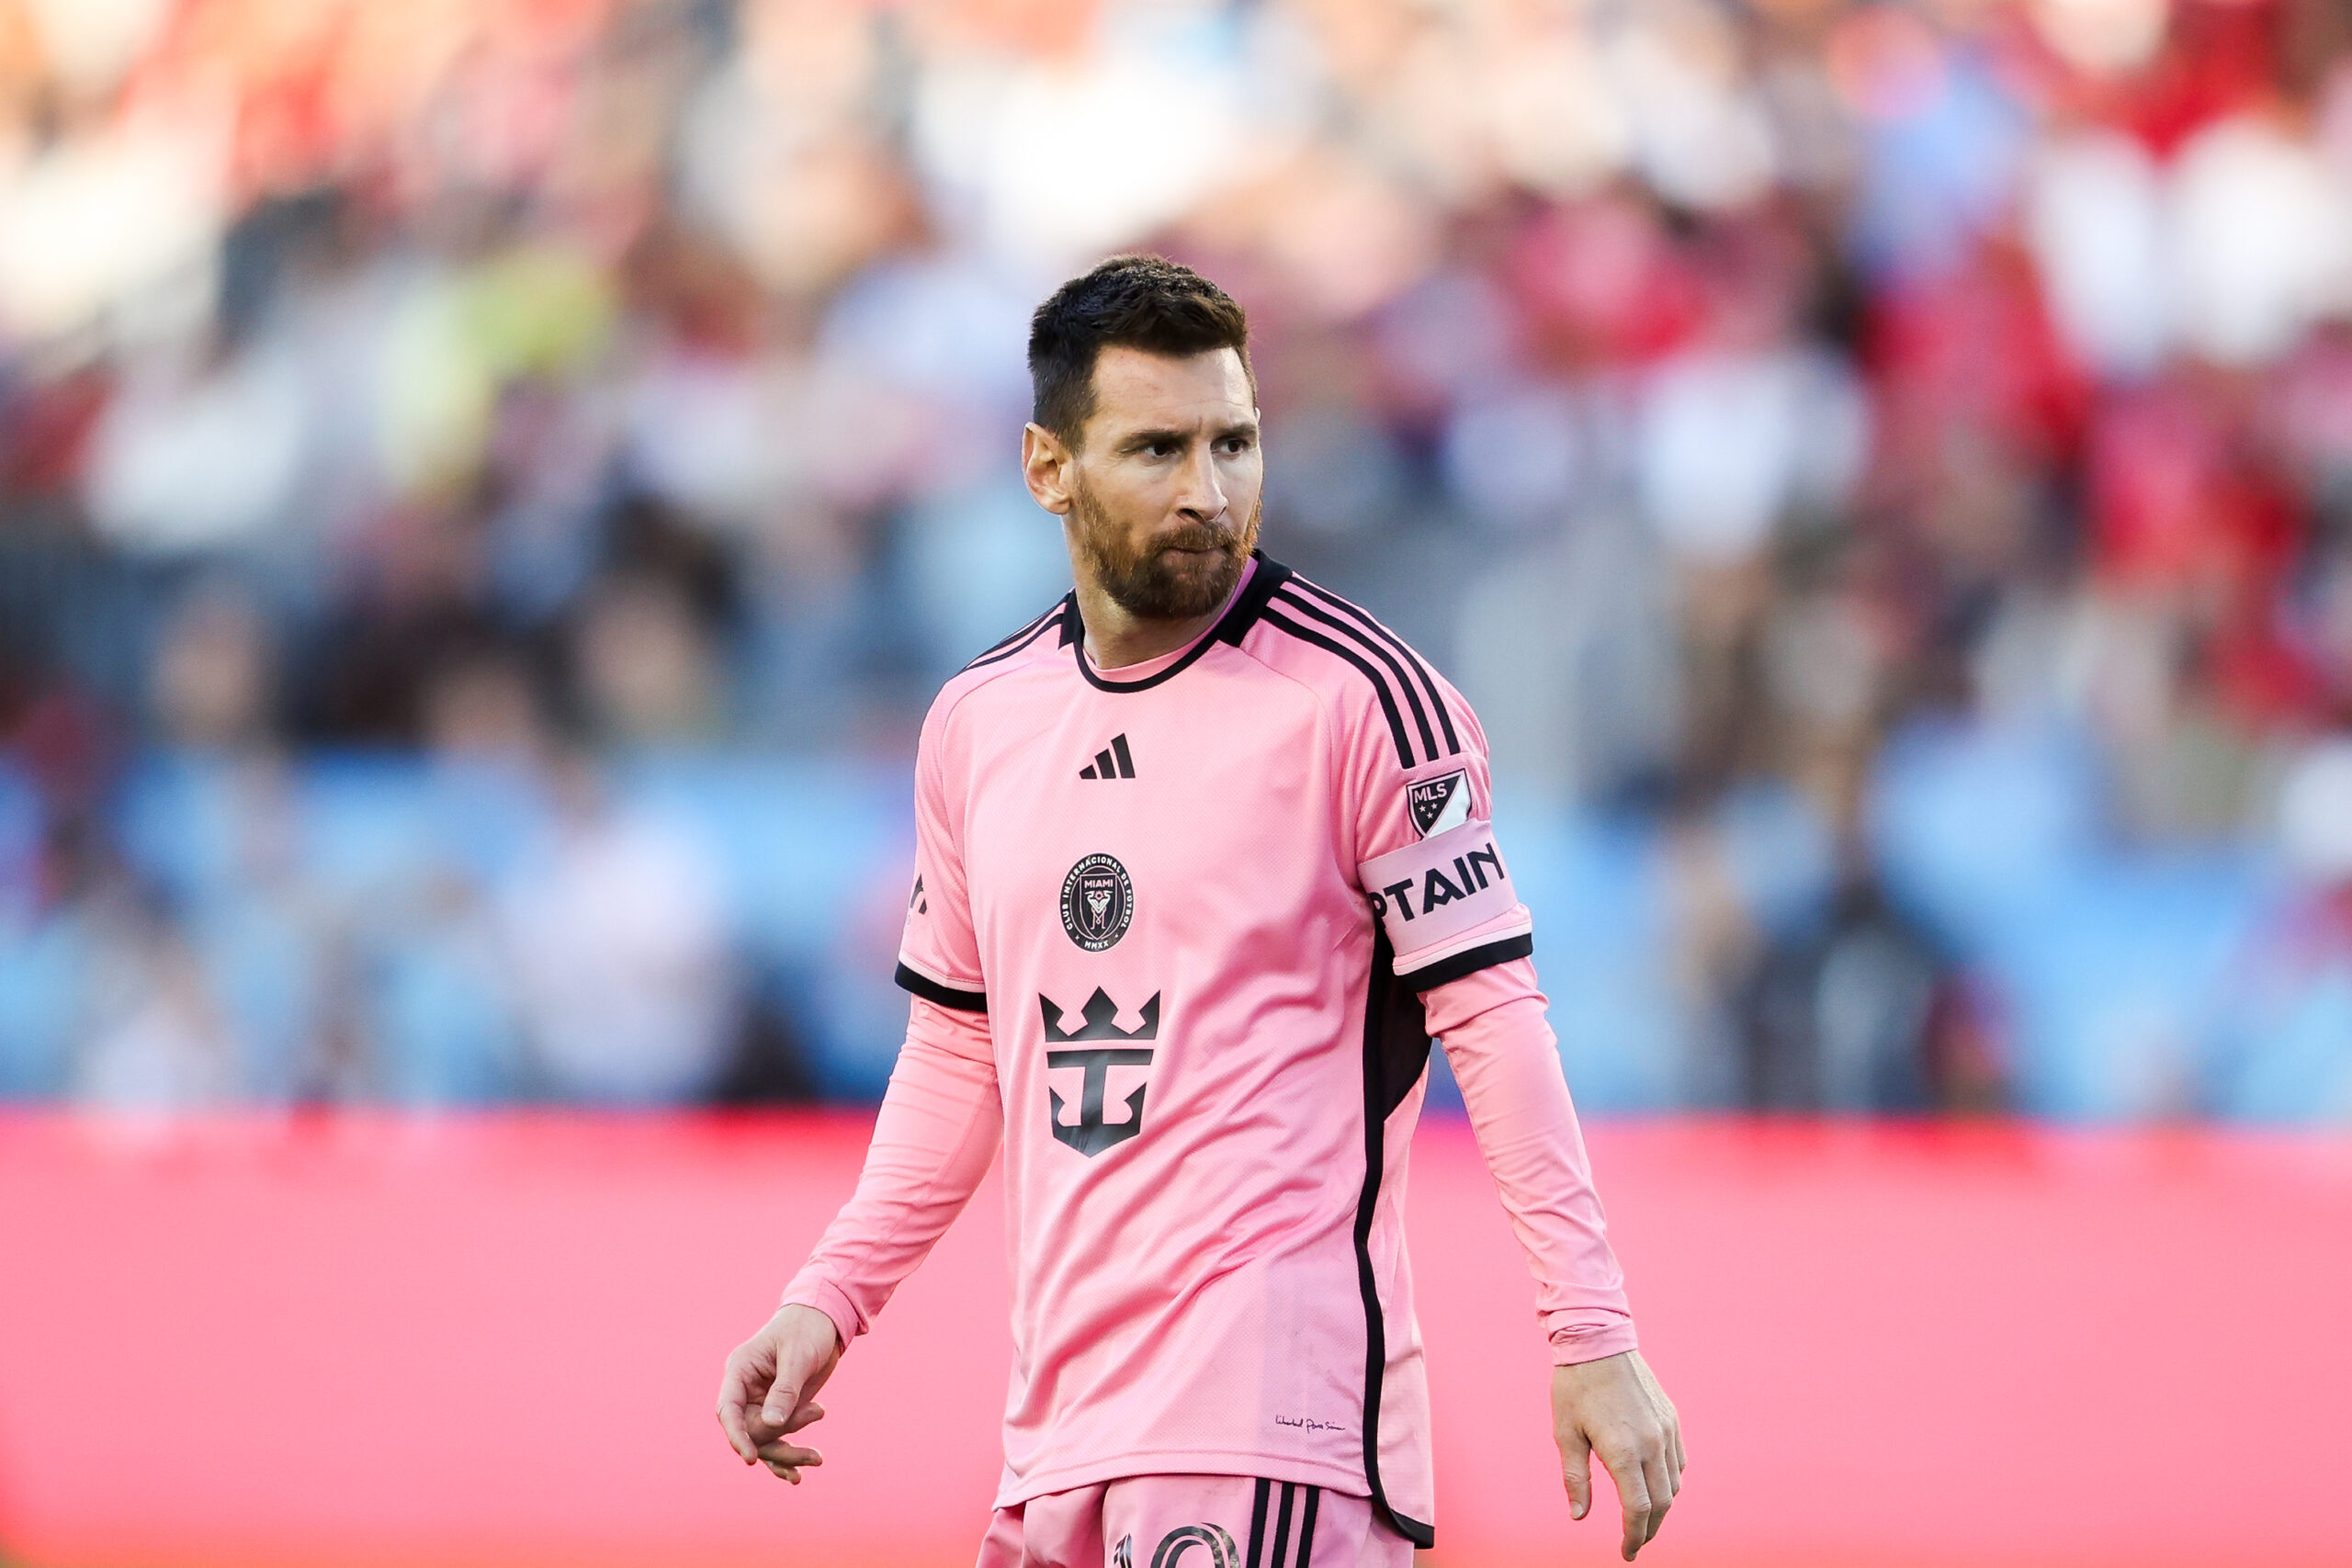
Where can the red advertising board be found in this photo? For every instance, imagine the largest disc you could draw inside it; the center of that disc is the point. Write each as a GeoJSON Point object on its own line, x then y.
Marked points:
{"type": "Point", "coordinates": [374, 1340]}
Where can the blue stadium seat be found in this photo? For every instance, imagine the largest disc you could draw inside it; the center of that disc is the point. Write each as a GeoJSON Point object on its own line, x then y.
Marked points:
{"type": "Point", "coordinates": [2109, 978]}
{"type": "Point", "coordinates": [2279, 1028]}
{"type": "Point", "coordinates": [1782, 856]}
{"type": "Point", "coordinates": [44, 976]}
{"type": "Point", "coordinates": [817, 857]}
{"type": "Point", "coordinates": [178, 819]}
{"type": "Point", "coordinates": [437, 1011]}
{"type": "Point", "coordinates": [264, 963]}
{"type": "Point", "coordinates": [1974, 824]}
{"type": "Point", "coordinates": [367, 823]}
{"type": "Point", "coordinates": [794, 839]}
{"type": "Point", "coordinates": [1597, 889]}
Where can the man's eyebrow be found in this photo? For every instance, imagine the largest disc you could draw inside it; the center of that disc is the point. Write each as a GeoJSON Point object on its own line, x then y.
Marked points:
{"type": "Point", "coordinates": [1136, 440]}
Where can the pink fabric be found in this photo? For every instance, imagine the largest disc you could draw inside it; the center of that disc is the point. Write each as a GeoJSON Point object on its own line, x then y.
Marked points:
{"type": "Point", "coordinates": [933, 1139]}
{"type": "Point", "coordinates": [1193, 1044]}
{"type": "Point", "coordinates": [1507, 1062]}
{"type": "Point", "coordinates": [1193, 1521]}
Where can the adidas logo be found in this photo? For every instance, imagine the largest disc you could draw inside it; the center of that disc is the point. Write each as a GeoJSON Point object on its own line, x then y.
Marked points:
{"type": "Point", "coordinates": [1113, 761]}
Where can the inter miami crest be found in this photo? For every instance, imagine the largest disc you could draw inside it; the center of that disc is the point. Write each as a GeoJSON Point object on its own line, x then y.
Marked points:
{"type": "Point", "coordinates": [1440, 803]}
{"type": "Point", "coordinates": [1097, 902]}
{"type": "Point", "coordinates": [1090, 1134]}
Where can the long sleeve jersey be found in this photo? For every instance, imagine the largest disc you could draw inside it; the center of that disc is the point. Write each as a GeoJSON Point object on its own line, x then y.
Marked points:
{"type": "Point", "coordinates": [1180, 937]}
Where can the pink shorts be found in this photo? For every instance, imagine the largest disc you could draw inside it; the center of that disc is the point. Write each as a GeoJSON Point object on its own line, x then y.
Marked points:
{"type": "Point", "coordinates": [1193, 1521]}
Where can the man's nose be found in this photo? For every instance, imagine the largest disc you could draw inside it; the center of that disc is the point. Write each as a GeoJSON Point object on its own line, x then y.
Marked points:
{"type": "Point", "coordinates": [1199, 494]}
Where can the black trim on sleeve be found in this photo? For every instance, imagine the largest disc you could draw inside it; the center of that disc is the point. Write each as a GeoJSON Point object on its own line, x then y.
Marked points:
{"type": "Point", "coordinates": [931, 990]}
{"type": "Point", "coordinates": [1470, 960]}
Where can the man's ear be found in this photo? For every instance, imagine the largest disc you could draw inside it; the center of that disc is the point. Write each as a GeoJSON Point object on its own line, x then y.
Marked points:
{"type": "Point", "coordinates": [1046, 468]}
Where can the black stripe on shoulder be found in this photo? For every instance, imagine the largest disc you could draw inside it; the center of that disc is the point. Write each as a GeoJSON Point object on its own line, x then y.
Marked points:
{"type": "Point", "coordinates": [1470, 961]}
{"type": "Point", "coordinates": [1305, 606]}
{"type": "Point", "coordinates": [931, 990]}
{"type": "Point", "coordinates": [1022, 638]}
{"type": "Point", "coordinates": [1026, 627]}
{"type": "Point", "coordinates": [1379, 684]}
{"type": "Point", "coordinates": [1250, 602]}
{"type": "Point", "coordinates": [1420, 665]}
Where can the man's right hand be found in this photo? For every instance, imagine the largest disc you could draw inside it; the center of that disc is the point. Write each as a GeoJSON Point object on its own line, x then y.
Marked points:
{"type": "Point", "coordinates": [771, 1380]}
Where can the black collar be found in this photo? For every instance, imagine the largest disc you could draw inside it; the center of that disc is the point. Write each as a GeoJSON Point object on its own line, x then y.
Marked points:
{"type": "Point", "coordinates": [1231, 626]}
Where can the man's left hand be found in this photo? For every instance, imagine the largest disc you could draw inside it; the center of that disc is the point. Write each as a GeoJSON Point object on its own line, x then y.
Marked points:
{"type": "Point", "coordinates": [1614, 1408]}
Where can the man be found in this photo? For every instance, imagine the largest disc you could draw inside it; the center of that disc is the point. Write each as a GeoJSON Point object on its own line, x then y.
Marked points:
{"type": "Point", "coordinates": [1203, 862]}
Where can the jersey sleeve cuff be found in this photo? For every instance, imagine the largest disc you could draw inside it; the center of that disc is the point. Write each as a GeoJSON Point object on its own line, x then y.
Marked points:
{"type": "Point", "coordinates": [940, 992]}
{"type": "Point", "coordinates": [823, 1295]}
{"type": "Point", "coordinates": [1578, 1338]}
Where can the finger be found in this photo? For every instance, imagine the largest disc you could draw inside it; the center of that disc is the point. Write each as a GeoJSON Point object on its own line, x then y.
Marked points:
{"type": "Point", "coordinates": [1576, 1470]}
{"type": "Point", "coordinates": [1633, 1504]}
{"type": "Point", "coordinates": [782, 1401]}
{"type": "Point", "coordinates": [807, 1416]}
{"type": "Point", "coordinates": [1674, 1441]}
{"type": "Point", "coordinates": [787, 1463]}
{"type": "Point", "coordinates": [790, 1453]}
{"type": "Point", "coordinates": [1661, 1491]}
{"type": "Point", "coordinates": [733, 1395]}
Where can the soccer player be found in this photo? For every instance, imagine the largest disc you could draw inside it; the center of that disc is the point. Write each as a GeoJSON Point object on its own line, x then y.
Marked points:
{"type": "Point", "coordinates": [1202, 863]}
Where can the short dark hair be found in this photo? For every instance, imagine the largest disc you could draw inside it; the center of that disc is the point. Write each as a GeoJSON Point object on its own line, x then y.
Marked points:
{"type": "Point", "coordinates": [1139, 301]}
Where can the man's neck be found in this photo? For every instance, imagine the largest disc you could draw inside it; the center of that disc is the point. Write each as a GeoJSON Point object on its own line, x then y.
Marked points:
{"type": "Point", "coordinates": [1116, 639]}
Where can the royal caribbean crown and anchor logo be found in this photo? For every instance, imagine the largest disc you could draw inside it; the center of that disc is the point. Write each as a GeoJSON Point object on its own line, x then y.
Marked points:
{"type": "Point", "coordinates": [1098, 902]}
{"type": "Point", "coordinates": [1090, 1134]}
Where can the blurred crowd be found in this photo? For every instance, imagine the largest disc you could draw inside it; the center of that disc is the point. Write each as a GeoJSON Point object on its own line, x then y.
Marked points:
{"type": "Point", "coordinates": [487, 488]}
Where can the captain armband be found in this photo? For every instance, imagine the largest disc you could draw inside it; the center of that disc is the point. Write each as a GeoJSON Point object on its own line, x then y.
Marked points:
{"type": "Point", "coordinates": [1443, 895]}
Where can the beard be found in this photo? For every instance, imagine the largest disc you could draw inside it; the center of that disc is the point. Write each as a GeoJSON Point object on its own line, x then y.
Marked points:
{"type": "Point", "coordinates": [1149, 584]}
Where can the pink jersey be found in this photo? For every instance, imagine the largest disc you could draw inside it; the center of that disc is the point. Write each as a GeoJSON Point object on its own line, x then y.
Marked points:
{"type": "Point", "coordinates": [1181, 934]}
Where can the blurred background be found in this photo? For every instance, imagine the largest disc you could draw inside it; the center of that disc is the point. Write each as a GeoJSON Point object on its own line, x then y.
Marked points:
{"type": "Point", "coordinates": [489, 487]}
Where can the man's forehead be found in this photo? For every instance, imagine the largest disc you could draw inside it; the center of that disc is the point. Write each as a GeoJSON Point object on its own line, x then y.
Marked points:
{"type": "Point", "coordinates": [1133, 387]}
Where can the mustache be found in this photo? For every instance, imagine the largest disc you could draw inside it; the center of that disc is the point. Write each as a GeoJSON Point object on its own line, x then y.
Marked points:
{"type": "Point", "coordinates": [1198, 536]}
